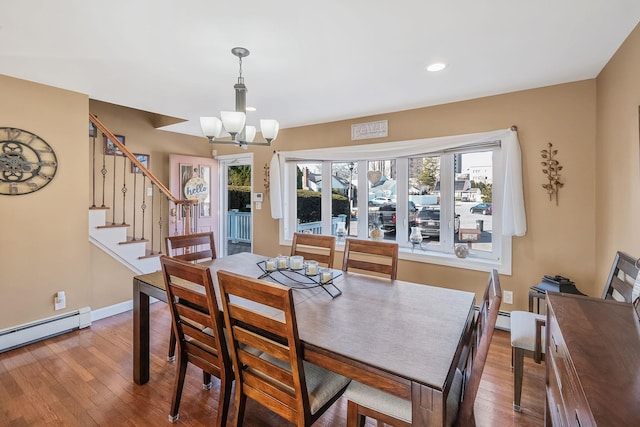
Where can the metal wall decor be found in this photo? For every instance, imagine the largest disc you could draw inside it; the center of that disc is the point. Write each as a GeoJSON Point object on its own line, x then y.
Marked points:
{"type": "Point", "coordinates": [552, 170]}
{"type": "Point", "coordinates": [27, 162]}
{"type": "Point", "coordinates": [267, 178]}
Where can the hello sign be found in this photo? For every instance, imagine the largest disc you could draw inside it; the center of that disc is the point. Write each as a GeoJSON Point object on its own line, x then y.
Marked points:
{"type": "Point", "coordinates": [196, 189]}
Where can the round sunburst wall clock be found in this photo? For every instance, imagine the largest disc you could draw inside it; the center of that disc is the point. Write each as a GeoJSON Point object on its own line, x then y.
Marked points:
{"type": "Point", "coordinates": [27, 162]}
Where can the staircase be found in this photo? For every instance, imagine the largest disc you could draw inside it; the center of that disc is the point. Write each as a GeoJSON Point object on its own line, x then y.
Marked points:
{"type": "Point", "coordinates": [134, 200]}
{"type": "Point", "coordinates": [114, 241]}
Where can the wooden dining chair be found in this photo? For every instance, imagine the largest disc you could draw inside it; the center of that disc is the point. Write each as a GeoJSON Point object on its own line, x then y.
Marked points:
{"type": "Point", "coordinates": [198, 325]}
{"type": "Point", "coordinates": [528, 329]}
{"type": "Point", "coordinates": [622, 278]}
{"type": "Point", "coordinates": [193, 248]}
{"type": "Point", "coordinates": [317, 247]}
{"type": "Point", "coordinates": [277, 378]}
{"type": "Point", "coordinates": [370, 255]}
{"type": "Point", "coordinates": [365, 401]}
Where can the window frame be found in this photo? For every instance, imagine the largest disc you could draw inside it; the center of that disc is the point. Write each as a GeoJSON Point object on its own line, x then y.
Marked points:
{"type": "Point", "coordinates": [501, 255]}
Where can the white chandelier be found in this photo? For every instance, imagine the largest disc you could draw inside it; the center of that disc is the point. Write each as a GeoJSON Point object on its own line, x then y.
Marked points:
{"type": "Point", "coordinates": [234, 121]}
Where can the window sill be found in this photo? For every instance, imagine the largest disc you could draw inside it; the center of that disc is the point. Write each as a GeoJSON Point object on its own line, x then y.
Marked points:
{"type": "Point", "coordinates": [450, 260]}
{"type": "Point", "coordinates": [440, 258]}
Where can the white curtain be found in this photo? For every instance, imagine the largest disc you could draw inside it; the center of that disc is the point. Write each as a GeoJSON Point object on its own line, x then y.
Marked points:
{"type": "Point", "coordinates": [514, 219]}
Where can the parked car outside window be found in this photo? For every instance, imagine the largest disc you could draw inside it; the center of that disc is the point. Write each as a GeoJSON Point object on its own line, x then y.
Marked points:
{"type": "Point", "coordinates": [428, 220]}
{"type": "Point", "coordinates": [386, 216]}
{"type": "Point", "coordinates": [483, 208]}
{"type": "Point", "coordinates": [379, 201]}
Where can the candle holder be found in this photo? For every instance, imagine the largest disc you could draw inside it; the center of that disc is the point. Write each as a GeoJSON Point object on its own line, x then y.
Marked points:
{"type": "Point", "coordinates": [308, 277]}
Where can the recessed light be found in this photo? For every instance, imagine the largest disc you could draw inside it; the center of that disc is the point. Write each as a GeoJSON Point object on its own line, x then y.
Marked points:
{"type": "Point", "coordinates": [437, 66]}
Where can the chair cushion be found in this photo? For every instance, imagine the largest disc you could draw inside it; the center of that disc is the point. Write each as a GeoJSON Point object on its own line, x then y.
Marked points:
{"type": "Point", "coordinates": [322, 385]}
{"type": "Point", "coordinates": [523, 330]}
{"type": "Point", "coordinates": [397, 407]}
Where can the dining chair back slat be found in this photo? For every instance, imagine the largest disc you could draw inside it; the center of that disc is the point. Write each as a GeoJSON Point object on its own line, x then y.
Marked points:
{"type": "Point", "coordinates": [267, 354]}
{"type": "Point", "coordinates": [191, 247]}
{"type": "Point", "coordinates": [316, 247]}
{"type": "Point", "coordinates": [485, 324]}
{"type": "Point", "coordinates": [622, 278]}
{"type": "Point", "coordinates": [371, 256]}
{"type": "Point", "coordinates": [197, 324]}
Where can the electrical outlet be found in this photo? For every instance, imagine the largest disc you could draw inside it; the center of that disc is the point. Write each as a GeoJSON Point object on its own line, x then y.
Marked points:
{"type": "Point", "coordinates": [59, 301]}
{"type": "Point", "coordinates": [507, 297]}
{"type": "Point", "coordinates": [149, 191]}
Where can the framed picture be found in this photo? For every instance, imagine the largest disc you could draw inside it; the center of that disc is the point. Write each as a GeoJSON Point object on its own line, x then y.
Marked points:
{"type": "Point", "coordinates": [110, 149]}
{"type": "Point", "coordinates": [142, 158]}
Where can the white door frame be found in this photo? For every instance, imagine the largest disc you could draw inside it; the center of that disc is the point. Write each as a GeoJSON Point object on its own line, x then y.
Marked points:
{"type": "Point", "coordinates": [226, 161]}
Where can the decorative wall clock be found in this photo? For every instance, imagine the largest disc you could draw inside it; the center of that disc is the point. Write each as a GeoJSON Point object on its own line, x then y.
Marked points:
{"type": "Point", "coordinates": [27, 162]}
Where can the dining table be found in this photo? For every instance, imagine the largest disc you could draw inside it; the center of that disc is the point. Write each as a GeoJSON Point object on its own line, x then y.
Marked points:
{"type": "Point", "coordinates": [401, 337]}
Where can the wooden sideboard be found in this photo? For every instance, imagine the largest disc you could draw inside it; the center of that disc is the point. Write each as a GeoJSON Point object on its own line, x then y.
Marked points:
{"type": "Point", "coordinates": [593, 362]}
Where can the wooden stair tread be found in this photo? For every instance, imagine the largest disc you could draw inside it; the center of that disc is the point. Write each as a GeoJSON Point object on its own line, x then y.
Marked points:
{"type": "Point", "coordinates": [132, 240]}
{"type": "Point", "coordinates": [150, 254]}
{"type": "Point", "coordinates": [113, 226]}
{"type": "Point", "coordinates": [99, 208]}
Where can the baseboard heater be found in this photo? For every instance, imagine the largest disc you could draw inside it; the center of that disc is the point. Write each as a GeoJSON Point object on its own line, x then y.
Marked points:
{"type": "Point", "coordinates": [503, 322]}
{"type": "Point", "coordinates": [28, 333]}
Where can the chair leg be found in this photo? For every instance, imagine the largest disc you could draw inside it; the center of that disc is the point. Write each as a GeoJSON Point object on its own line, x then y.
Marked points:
{"type": "Point", "coordinates": [171, 356]}
{"type": "Point", "coordinates": [177, 389]}
{"type": "Point", "coordinates": [354, 419]}
{"type": "Point", "coordinates": [241, 401]}
{"type": "Point", "coordinates": [224, 400]}
{"type": "Point", "coordinates": [518, 368]}
{"type": "Point", "coordinates": [206, 381]}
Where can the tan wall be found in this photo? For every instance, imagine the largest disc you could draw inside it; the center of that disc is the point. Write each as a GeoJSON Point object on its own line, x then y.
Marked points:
{"type": "Point", "coordinates": [44, 246]}
{"type": "Point", "coordinates": [617, 177]}
{"type": "Point", "coordinates": [559, 238]}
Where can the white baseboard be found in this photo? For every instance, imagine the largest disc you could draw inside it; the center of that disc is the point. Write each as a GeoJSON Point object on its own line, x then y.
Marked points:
{"type": "Point", "coordinates": [111, 310]}
{"type": "Point", "coordinates": [27, 333]}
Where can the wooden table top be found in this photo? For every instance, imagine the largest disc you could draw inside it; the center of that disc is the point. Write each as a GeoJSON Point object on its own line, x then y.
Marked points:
{"type": "Point", "coordinates": [408, 329]}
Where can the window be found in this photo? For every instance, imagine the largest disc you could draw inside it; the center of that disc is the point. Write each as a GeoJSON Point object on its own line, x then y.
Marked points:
{"type": "Point", "coordinates": [453, 195]}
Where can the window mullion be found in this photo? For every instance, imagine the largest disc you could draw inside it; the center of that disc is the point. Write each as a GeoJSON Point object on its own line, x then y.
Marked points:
{"type": "Point", "coordinates": [447, 202]}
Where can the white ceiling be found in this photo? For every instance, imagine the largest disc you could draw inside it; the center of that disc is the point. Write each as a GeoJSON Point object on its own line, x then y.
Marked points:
{"type": "Point", "coordinates": [311, 61]}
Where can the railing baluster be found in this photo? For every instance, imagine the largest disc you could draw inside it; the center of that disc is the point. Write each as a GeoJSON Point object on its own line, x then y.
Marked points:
{"type": "Point", "coordinates": [133, 224]}
{"type": "Point", "coordinates": [153, 205]}
{"type": "Point", "coordinates": [143, 207]}
{"type": "Point", "coordinates": [113, 205]}
{"type": "Point", "coordinates": [124, 190]}
{"type": "Point", "coordinates": [103, 171]}
{"type": "Point", "coordinates": [93, 172]}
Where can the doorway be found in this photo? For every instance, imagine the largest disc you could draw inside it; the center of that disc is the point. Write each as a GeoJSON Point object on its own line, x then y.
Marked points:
{"type": "Point", "coordinates": [235, 203]}
{"type": "Point", "coordinates": [205, 215]}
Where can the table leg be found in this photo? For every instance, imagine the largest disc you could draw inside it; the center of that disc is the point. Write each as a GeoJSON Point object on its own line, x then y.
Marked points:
{"type": "Point", "coordinates": [140, 334]}
{"type": "Point", "coordinates": [427, 406]}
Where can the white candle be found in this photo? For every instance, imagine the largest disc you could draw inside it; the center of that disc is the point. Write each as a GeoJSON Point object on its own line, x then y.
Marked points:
{"type": "Point", "coordinates": [312, 269]}
{"type": "Point", "coordinates": [283, 261]}
{"type": "Point", "coordinates": [296, 262]}
{"type": "Point", "coordinates": [325, 275]}
{"type": "Point", "coordinates": [271, 264]}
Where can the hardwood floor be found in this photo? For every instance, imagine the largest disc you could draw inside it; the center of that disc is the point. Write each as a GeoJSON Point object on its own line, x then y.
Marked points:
{"type": "Point", "coordinates": [84, 378]}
